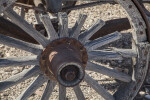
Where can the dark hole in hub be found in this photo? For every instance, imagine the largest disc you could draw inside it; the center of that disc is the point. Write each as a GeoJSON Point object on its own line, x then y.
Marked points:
{"type": "Point", "coordinates": [70, 73]}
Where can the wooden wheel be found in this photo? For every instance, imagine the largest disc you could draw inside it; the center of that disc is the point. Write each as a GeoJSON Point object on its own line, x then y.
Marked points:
{"type": "Point", "coordinates": [79, 57]}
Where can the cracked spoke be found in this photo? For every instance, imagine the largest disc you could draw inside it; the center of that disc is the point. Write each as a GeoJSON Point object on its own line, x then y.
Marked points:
{"type": "Point", "coordinates": [92, 45]}
{"type": "Point", "coordinates": [85, 36]}
{"type": "Point", "coordinates": [49, 27]}
{"type": "Point", "coordinates": [115, 54]}
{"type": "Point", "coordinates": [63, 27]}
{"type": "Point", "coordinates": [128, 53]}
{"type": "Point", "coordinates": [78, 25]}
{"type": "Point", "coordinates": [104, 55]}
{"type": "Point", "coordinates": [109, 72]}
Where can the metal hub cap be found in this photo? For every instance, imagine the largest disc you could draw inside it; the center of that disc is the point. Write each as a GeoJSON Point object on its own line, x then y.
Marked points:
{"type": "Point", "coordinates": [64, 60]}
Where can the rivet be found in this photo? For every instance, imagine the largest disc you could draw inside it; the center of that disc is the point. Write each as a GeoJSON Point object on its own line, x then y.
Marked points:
{"type": "Point", "coordinates": [130, 6]}
{"type": "Point", "coordinates": [140, 23]}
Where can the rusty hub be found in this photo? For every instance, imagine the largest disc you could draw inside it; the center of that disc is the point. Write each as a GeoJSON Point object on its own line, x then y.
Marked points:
{"type": "Point", "coordinates": [64, 60]}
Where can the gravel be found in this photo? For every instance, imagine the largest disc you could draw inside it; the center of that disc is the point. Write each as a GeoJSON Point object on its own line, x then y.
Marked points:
{"type": "Point", "coordinates": [104, 12]}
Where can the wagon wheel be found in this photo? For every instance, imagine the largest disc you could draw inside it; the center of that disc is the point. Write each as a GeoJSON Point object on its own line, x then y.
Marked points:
{"type": "Point", "coordinates": [54, 66]}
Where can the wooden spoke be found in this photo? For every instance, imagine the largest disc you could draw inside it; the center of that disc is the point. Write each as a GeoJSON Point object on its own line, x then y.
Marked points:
{"type": "Point", "coordinates": [35, 49]}
{"type": "Point", "coordinates": [63, 21]}
{"type": "Point", "coordinates": [37, 17]}
{"type": "Point", "coordinates": [78, 25]}
{"type": "Point", "coordinates": [79, 93]}
{"type": "Point", "coordinates": [19, 61]}
{"type": "Point", "coordinates": [16, 79]}
{"type": "Point", "coordinates": [62, 92]}
{"type": "Point", "coordinates": [128, 53]}
{"type": "Point", "coordinates": [109, 72]}
{"type": "Point", "coordinates": [85, 36]}
{"type": "Point", "coordinates": [115, 54]}
{"type": "Point", "coordinates": [49, 27]}
{"type": "Point", "coordinates": [92, 45]}
{"type": "Point", "coordinates": [104, 55]}
{"type": "Point", "coordinates": [26, 27]}
{"type": "Point", "coordinates": [48, 90]}
{"type": "Point", "coordinates": [98, 88]}
{"type": "Point", "coordinates": [32, 88]}
{"type": "Point", "coordinates": [4, 4]}
{"type": "Point", "coordinates": [22, 12]}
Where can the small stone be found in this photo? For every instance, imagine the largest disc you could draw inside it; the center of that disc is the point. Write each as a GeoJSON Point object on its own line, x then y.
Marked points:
{"type": "Point", "coordinates": [8, 70]}
{"type": "Point", "coordinates": [142, 93]}
{"type": "Point", "coordinates": [39, 93]}
{"type": "Point", "coordinates": [5, 94]}
{"type": "Point", "coordinates": [15, 71]}
{"type": "Point", "coordinates": [1, 71]}
{"type": "Point", "coordinates": [7, 54]}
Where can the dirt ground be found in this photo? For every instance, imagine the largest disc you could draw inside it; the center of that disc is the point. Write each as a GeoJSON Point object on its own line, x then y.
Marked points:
{"type": "Point", "coordinates": [104, 12]}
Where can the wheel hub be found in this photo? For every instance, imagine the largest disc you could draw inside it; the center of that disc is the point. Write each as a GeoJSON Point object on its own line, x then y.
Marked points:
{"type": "Point", "coordinates": [64, 60]}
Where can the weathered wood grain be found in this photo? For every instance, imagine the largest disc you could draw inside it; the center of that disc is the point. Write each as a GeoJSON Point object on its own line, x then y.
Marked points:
{"type": "Point", "coordinates": [78, 25]}
{"type": "Point", "coordinates": [10, 29]}
{"type": "Point", "coordinates": [52, 35]}
{"type": "Point", "coordinates": [26, 27]}
{"type": "Point", "coordinates": [128, 53]}
{"type": "Point", "coordinates": [62, 92]}
{"type": "Point", "coordinates": [32, 88]}
{"type": "Point", "coordinates": [22, 13]}
{"type": "Point", "coordinates": [92, 45]}
{"type": "Point", "coordinates": [4, 4]}
{"type": "Point", "coordinates": [136, 20]}
{"type": "Point", "coordinates": [109, 72]}
{"type": "Point", "coordinates": [98, 88]}
{"type": "Point", "coordinates": [115, 54]}
{"type": "Point", "coordinates": [19, 61]}
{"type": "Point", "coordinates": [48, 90]}
{"type": "Point", "coordinates": [85, 36]}
{"type": "Point", "coordinates": [16, 79]}
{"type": "Point", "coordinates": [33, 48]}
{"type": "Point", "coordinates": [63, 24]}
{"type": "Point", "coordinates": [104, 55]}
{"type": "Point", "coordinates": [37, 17]}
{"type": "Point", "coordinates": [79, 93]}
